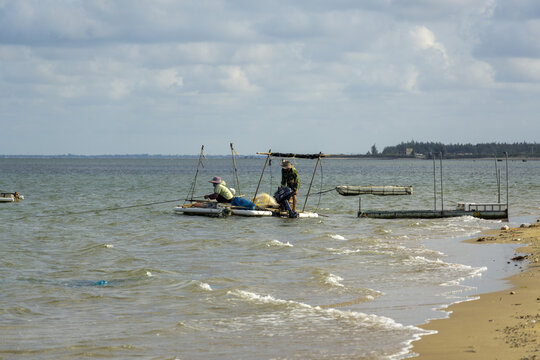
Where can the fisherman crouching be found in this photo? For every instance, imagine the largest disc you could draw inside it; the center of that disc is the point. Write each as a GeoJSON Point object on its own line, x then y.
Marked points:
{"type": "Point", "coordinates": [222, 194]}
{"type": "Point", "coordinates": [282, 196]}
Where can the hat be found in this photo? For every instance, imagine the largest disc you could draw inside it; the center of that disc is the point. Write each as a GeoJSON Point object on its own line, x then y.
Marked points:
{"type": "Point", "coordinates": [286, 164]}
{"type": "Point", "coordinates": [215, 180]}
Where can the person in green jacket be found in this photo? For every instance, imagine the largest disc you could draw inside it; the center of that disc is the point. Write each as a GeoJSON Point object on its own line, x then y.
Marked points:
{"type": "Point", "coordinates": [290, 178]}
{"type": "Point", "coordinates": [221, 192]}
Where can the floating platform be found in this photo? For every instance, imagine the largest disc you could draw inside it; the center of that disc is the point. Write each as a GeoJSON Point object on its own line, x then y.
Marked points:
{"type": "Point", "coordinates": [221, 211]}
{"type": "Point", "coordinates": [10, 197]}
{"type": "Point", "coordinates": [431, 214]}
{"type": "Point", "coordinates": [478, 210]}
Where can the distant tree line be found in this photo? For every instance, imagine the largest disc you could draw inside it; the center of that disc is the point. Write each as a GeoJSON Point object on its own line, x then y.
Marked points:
{"type": "Point", "coordinates": [425, 149]}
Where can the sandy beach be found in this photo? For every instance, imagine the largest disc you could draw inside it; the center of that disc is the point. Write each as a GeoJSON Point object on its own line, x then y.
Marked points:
{"type": "Point", "coordinates": [500, 325]}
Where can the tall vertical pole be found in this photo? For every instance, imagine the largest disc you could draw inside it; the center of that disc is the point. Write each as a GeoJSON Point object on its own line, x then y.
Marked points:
{"type": "Point", "coordinates": [506, 155]}
{"type": "Point", "coordinates": [442, 197]}
{"type": "Point", "coordinates": [499, 185]}
{"type": "Point", "coordinates": [434, 185]}
{"type": "Point", "coordinates": [262, 173]}
{"type": "Point", "coordinates": [311, 183]}
{"type": "Point", "coordinates": [196, 174]}
{"type": "Point", "coordinates": [235, 170]}
{"type": "Point", "coordinates": [498, 177]}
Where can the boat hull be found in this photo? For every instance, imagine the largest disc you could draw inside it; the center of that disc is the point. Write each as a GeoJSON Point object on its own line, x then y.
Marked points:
{"type": "Point", "coordinates": [383, 190]}
{"type": "Point", "coordinates": [213, 212]}
{"type": "Point", "coordinates": [432, 214]}
{"type": "Point", "coordinates": [251, 212]}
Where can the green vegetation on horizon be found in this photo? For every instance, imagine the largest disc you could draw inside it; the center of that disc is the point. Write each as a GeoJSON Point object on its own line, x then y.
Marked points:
{"type": "Point", "coordinates": [425, 149]}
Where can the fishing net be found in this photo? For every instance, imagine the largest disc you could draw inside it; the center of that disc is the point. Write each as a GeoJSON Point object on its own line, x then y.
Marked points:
{"type": "Point", "coordinates": [265, 200]}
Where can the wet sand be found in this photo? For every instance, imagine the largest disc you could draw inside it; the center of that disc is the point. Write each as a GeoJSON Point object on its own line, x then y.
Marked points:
{"type": "Point", "coordinates": [500, 325]}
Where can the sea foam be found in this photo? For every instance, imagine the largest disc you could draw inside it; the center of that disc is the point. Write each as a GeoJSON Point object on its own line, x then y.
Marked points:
{"type": "Point", "coordinates": [302, 310]}
{"type": "Point", "coordinates": [277, 243]}
{"type": "Point", "coordinates": [334, 280]}
{"type": "Point", "coordinates": [204, 286]}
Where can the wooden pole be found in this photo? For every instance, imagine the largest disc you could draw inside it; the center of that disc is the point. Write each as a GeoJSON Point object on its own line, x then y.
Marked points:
{"type": "Point", "coordinates": [196, 174]}
{"type": "Point", "coordinates": [311, 183]}
{"type": "Point", "coordinates": [498, 177]}
{"type": "Point", "coordinates": [442, 197]}
{"type": "Point", "coordinates": [268, 154]}
{"type": "Point", "coordinates": [499, 185]}
{"type": "Point", "coordinates": [434, 185]}
{"type": "Point", "coordinates": [506, 155]}
{"type": "Point", "coordinates": [235, 171]}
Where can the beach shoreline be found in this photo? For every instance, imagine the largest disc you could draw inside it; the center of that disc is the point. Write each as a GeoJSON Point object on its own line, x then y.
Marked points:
{"type": "Point", "coordinates": [498, 325]}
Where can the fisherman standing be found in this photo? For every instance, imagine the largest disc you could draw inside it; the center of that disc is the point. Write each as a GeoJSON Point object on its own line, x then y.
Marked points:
{"type": "Point", "coordinates": [290, 178]}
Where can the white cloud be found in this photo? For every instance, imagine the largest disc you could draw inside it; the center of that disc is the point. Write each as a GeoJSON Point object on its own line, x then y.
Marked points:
{"type": "Point", "coordinates": [236, 79]}
{"type": "Point", "coordinates": [169, 78]}
{"type": "Point", "coordinates": [523, 69]}
{"type": "Point", "coordinates": [118, 89]}
{"type": "Point", "coordinates": [425, 40]}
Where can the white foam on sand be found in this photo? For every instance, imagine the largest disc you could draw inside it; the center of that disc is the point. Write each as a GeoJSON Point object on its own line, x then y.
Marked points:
{"type": "Point", "coordinates": [475, 272]}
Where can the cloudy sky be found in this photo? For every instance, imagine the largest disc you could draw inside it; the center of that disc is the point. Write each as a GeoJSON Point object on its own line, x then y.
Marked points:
{"type": "Point", "coordinates": [165, 77]}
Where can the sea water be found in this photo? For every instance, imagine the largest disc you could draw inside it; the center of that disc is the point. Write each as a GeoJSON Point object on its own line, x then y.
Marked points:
{"type": "Point", "coordinates": [89, 270]}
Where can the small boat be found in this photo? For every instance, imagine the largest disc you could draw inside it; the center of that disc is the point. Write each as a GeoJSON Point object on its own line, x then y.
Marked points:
{"type": "Point", "coordinates": [10, 197]}
{"type": "Point", "coordinates": [383, 190]}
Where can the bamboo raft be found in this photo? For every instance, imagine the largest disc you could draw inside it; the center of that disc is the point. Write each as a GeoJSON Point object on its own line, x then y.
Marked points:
{"type": "Point", "coordinates": [221, 210]}
{"type": "Point", "coordinates": [213, 209]}
{"type": "Point", "coordinates": [10, 197]}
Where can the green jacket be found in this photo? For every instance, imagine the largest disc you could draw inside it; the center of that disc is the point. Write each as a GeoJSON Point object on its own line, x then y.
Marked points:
{"type": "Point", "coordinates": [290, 178]}
{"type": "Point", "coordinates": [223, 190]}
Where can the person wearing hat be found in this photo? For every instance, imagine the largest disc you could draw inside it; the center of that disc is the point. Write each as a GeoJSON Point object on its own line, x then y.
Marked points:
{"type": "Point", "coordinates": [221, 192]}
{"type": "Point", "coordinates": [290, 178]}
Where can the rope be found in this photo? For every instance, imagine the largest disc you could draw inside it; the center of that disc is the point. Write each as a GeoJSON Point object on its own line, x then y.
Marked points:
{"type": "Point", "coordinates": [324, 192]}
{"type": "Point", "coordinates": [105, 209]}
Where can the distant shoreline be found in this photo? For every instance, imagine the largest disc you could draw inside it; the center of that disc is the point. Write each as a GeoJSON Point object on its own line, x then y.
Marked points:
{"type": "Point", "coordinates": [328, 156]}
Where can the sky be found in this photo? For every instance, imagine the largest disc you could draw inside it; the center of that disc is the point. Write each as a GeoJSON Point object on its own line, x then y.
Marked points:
{"type": "Point", "coordinates": [92, 77]}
